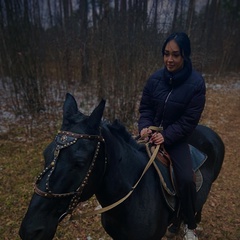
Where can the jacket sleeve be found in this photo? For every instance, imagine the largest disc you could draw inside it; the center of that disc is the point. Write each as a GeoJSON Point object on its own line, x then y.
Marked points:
{"type": "Point", "coordinates": [146, 108]}
{"type": "Point", "coordinates": [185, 125]}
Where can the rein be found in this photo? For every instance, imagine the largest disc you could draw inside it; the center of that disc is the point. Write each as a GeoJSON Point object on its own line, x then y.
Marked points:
{"type": "Point", "coordinates": [150, 162]}
{"type": "Point", "coordinates": [107, 208]}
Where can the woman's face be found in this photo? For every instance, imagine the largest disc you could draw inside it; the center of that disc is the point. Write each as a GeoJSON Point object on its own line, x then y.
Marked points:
{"type": "Point", "coordinates": [172, 57]}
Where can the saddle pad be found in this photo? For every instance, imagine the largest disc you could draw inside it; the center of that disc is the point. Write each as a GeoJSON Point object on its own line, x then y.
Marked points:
{"type": "Point", "coordinates": [164, 175]}
{"type": "Point", "coordinates": [167, 187]}
{"type": "Point", "coordinates": [198, 157]}
{"type": "Point", "coordinates": [168, 190]}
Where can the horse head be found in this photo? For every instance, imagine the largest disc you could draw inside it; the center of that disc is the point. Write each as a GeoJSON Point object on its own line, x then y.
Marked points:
{"type": "Point", "coordinates": [69, 171]}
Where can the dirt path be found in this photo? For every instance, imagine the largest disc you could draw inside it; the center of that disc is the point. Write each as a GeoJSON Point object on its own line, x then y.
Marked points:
{"type": "Point", "coordinates": [221, 215]}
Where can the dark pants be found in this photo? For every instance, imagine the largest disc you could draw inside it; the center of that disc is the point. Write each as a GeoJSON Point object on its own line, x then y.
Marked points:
{"type": "Point", "coordinates": [186, 187]}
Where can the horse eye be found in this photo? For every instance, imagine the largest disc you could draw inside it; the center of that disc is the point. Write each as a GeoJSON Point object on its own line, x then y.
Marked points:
{"type": "Point", "coordinates": [79, 159]}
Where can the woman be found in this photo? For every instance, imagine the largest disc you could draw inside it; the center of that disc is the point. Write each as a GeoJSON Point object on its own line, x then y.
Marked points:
{"type": "Point", "coordinates": [174, 98]}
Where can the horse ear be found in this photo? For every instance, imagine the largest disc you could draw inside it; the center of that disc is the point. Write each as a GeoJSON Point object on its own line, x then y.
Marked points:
{"type": "Point", "coordinates": [96, 115]}
{"type": "Point", "coordinates": [70, 106]}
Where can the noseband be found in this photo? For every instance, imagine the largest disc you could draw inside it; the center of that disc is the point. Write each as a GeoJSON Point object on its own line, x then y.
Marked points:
{"type": "Point", "coordinates": [65, 139]}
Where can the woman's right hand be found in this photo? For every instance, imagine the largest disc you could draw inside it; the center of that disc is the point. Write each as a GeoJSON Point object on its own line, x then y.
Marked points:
{"type": "Point", "coordinates": [145, 133]}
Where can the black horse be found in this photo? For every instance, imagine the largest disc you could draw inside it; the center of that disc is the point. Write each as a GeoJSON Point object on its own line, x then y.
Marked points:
{"type": "Point", "coordinates": [90, 156]}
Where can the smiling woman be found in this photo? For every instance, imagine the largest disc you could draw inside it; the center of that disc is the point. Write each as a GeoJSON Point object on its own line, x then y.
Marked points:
{"type": "Point", "coordinates": [173, 99]}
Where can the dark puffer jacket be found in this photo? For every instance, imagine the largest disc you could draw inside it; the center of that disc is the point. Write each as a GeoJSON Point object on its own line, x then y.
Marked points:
{"type": "Point", "coordinates": [174, 102]}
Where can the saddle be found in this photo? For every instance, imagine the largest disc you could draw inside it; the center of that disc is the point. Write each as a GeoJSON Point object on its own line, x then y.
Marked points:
{"type": "Point", "coordinates": [163, 166]}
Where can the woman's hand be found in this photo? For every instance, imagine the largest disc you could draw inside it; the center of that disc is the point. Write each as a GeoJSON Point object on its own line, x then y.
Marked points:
{"type": "Point", "coordinates": [157, 138]}
{"type": "Point", "coordinates": [145, 133]}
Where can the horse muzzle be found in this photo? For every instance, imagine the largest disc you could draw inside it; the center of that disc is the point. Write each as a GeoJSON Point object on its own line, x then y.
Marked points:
{"type": "Point", "coordinates": [28, 231]}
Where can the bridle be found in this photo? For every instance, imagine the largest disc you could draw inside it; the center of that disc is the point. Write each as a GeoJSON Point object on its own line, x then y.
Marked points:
{"type": "Point", "coordinates": [65, 139]}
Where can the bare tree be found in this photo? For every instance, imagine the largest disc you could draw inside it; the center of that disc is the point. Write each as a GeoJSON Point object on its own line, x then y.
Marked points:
{"type": "Point", "coordinates": [190, 16]}
{"type": "Point", "coordinates": [109, 47]}
{"type": "Point", "coordinates": [175, 15]}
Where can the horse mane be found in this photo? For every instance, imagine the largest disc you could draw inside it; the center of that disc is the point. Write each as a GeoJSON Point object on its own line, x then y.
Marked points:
{"type": "Point", "coordinates": [120, 131]}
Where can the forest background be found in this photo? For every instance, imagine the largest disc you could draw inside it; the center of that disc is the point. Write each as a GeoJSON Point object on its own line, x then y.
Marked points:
{"type": "Point", "coordinates": [104, 49]}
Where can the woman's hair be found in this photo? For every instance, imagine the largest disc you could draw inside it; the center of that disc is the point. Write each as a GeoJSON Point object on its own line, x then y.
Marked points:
{"type": "Point", "coordinates": [182, 41]}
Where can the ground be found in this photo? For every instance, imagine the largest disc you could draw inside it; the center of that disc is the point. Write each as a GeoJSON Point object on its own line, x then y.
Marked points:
{"type": "Point", "coordinates": [19, 165]}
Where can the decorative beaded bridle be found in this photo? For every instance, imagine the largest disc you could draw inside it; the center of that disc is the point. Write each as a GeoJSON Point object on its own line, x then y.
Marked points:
{"type": "Point", "coordinates": [65, 139]}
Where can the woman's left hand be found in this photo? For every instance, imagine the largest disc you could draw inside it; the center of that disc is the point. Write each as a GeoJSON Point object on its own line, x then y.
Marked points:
{"type": "Point", "coordinates": [157, 138]}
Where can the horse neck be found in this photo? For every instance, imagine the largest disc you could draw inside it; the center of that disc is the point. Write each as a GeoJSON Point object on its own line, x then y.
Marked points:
{"type": "Point", "coordinates": [121, 153]}
{"type": "Point", "coordinates": [124, 167]}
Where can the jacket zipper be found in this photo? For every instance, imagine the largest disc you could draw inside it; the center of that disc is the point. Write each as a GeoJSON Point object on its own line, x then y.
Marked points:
{"type": "Point", "coordinates": [165, 103]}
